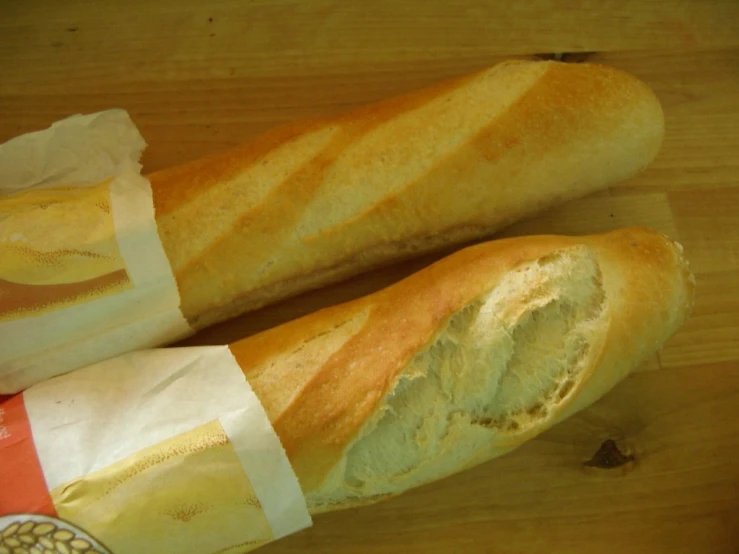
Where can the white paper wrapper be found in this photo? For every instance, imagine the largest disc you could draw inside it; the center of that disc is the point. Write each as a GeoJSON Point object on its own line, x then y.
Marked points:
{"type": "Point", "coordinates": [155, 451]}
{"type": "Point", "coordinates": [83, 275]}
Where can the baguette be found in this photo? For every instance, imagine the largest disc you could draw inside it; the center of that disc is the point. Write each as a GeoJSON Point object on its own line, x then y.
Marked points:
{"type": "Point", "coordinates": [464, 360]}
{"type": "Point", "coordinates": [314, 202]}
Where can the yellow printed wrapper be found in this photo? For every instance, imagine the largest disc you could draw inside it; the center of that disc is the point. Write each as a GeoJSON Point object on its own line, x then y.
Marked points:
{"type": "Point", "coordinates": [154, 451]}
{"type": "Point", "coordinates": [202, 496]}
{"type": "Point", "coordinates": [43, 272]}
{"type": "Point", "coordinates": [83, 275]}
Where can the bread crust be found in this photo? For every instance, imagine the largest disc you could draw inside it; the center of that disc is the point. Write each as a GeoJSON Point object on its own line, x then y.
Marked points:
{"type": "Point", "coordinates": [314, 202]}
{"type": "Point", "coordinates": [324, 377]}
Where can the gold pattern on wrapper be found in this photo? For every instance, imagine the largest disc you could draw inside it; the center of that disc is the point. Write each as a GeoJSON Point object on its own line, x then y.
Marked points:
{"type": "Point", "coordinates": [185, 491]}
{"type": "Point", "coordinates": [38, 534]}
{"type": "Point", "coordinates": [58, 248]}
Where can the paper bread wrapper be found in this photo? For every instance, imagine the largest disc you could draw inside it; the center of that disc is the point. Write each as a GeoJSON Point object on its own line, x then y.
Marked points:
{"type": "Point", "coordinates": [83, 275]}
{"type": "Point", "coordinates": [155, 451]}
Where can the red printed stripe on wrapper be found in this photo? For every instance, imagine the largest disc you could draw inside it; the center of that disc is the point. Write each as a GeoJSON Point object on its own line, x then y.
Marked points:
{"type": "Point", "coordinates": [22, 483]}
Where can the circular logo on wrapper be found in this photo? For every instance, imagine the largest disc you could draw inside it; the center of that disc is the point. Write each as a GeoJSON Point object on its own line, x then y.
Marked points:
{"type": "Point", "coordinates": [37, 534]}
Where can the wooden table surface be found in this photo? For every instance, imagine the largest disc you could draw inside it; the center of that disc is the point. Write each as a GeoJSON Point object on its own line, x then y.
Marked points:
{"type": "Point", "coordinates": [199, 77]}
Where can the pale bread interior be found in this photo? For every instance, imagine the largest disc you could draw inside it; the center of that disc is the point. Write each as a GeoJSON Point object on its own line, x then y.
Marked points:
{"type": "Point", "coordinates": [501, 367]}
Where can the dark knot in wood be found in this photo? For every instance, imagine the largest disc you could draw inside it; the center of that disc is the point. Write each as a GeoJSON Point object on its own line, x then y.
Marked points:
{"type": "Point", "coordinates": [568, 57]}
{"type": "Point", "coordinates": [608, 456]}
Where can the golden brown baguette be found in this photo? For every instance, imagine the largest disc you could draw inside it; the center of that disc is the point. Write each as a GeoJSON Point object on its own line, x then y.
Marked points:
{"type": "Point", "coordinates": [314, 202]}
{"type": "Point", "coordinates": [464, 360]}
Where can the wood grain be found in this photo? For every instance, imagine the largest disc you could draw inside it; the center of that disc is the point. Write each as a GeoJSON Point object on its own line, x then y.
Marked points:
{"type": "Point", "coordinates": [199, 77]}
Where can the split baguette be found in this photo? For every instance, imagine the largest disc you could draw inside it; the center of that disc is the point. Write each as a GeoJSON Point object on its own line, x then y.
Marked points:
{"type": "Point", "coordinates": [464, 360]}
{"type": "Point", "coordinates": [318, 201]}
